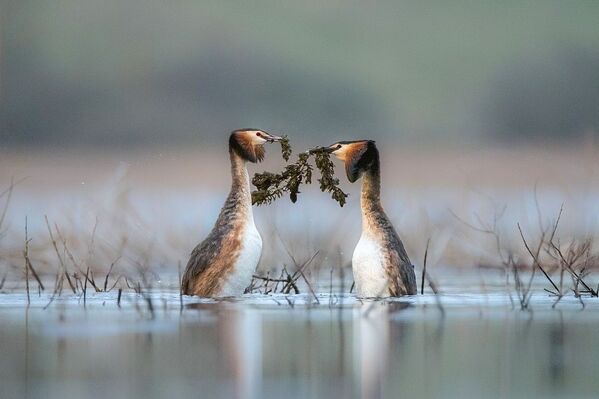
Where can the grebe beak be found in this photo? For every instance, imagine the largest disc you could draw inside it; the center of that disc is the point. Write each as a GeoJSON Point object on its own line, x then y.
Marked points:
{"type": "Point", "coordinates": [272, 138]}
{"type": "Point", "coordinates": [328, 150]}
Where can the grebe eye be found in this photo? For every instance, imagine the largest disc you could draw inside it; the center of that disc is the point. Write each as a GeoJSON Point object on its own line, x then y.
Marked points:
{"type": "Point", "coordinates": [338, 146]}
{"type": "Point", "coordinates": [258, 134]}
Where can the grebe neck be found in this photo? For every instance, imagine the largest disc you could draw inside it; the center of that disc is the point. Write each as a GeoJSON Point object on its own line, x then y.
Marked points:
{"type": "Point", "coordinates": [240, 197]}
{"type": "Point", "coordinates": [370, 199]}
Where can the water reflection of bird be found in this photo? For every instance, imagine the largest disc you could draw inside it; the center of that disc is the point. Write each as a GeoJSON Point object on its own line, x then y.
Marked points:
{"type": "Point", "coordinates": [380, 263]}
{"type": "Point", "coordinates": [378, 341]}
{"type": "Point", "coordinates": [223, 264]}
{"type": "Point", "coordinates": [371, 350]}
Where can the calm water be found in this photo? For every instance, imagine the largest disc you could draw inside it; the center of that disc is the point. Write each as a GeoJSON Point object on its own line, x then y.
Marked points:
{"type": "Point", "coordinates": [468, 342]}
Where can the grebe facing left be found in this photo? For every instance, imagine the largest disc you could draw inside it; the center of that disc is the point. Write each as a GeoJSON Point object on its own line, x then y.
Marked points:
{"type": "Point", "coordinates": [223, 264]}
{"type": "Point", "coordinates": [380, 264]}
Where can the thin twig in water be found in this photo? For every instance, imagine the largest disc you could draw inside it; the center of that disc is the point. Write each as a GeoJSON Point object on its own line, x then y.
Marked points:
{"type": "Point", "coordinates": [88, 276]}
{"type": "Point", "coordinates": [28, 265]}
{"type": "Point", "coordinates": [331, 289]}
{"type": "Point", "coordinates": [291, 304]}
{"type": "Point", "coordinates": [433, 286]}
{"type": "Point", "coordinates": [569, 268]}
{"type": "Point", "coordinates": [180, 288]}
{"type": "Point", "coordinates": [85, 286]}
{"type": "Point", "coordinates": [536, 259]}
{"type": "Point", "coordinates": [299, 270]}
{"type": "Point", "coordinates": [60, 260]}
{"type": "Point", "coordinates": [115, 282]}
{"type": "Point", "coordinates": [424, 266]}
{"type": "Point", "coordinates": [109, 271]}
{"type": "Point", "coordinates": [25, 255]}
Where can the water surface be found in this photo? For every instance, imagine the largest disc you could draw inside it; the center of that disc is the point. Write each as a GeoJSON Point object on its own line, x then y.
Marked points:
{"type": "Point", "coordinates": [471, 341]}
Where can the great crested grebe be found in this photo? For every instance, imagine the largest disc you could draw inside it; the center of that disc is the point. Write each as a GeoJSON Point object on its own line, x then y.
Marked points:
{"type": "Point", "coordinates": [223, 264]}
{"type": "Point", "coordinates": [380, 264]}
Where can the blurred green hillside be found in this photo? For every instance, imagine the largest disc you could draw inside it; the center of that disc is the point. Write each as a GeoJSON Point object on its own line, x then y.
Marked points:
{"type": "Point", "coordinates": [133, 73]}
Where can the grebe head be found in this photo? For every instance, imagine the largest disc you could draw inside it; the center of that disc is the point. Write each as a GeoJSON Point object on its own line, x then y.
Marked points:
{"type": "Point", "coordinates": [358, 156]}
{"type": "Point", "coordinates": [249, 143]}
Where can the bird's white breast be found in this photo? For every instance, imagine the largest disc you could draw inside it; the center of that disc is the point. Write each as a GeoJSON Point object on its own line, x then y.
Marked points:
{"type": "Point", "coordinates": [246, 263]}
{"type": "Point", "coordinates": [368, 268]}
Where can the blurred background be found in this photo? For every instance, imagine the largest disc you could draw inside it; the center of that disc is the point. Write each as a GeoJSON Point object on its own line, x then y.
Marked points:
{"type": "Point", "coordinates": [127, 105]}
{"type": "Point", "coordinates": [142, 73]}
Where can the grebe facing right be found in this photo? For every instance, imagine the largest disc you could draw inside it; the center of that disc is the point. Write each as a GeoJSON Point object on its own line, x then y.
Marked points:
{"type": "Point", "coordinates": [223, 264]}
{"type": "Point", "coordinates": [380, 264]}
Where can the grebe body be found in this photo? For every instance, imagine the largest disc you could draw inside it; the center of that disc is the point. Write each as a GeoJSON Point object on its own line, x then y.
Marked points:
{"type": "Point", "coordinates": [380, 264]}
{"type": "Point", "coordinates": [223, 264]}
{"type": "Point", "coordinates": [247, 260]}
{"type": "Point", "coordinates": [369, 273]}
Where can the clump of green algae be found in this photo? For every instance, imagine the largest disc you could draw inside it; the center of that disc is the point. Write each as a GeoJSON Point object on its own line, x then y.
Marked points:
{"type": "Point", "coordinates": [271, 186]}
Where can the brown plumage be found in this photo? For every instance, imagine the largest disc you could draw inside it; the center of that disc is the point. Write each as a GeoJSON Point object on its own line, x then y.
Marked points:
{"type": "Point", "coordinates": [242, 143]}
{"type": "Point", "coordinates": [380, 246]}
{"type": "Point", "coordinates": [213, 268]}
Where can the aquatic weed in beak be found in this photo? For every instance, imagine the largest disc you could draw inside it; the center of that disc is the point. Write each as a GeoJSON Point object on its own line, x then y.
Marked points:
{"type": "Point", "coordinates": [328, 181]}
{"type": "Point", "coordinates": [271, 186]}
{"type": "Point", "coordinates": [285, 148]}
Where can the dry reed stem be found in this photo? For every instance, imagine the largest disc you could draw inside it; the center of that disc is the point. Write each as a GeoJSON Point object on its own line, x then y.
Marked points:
{"type": "Point", "coordinates": [25, 256]}
{"type": "Point", "coordinates": [536, 259]}
{"type": "Point", "coordinates": [73, 261]}
{"type": "Point", "coordinates": [424, 266]}
{"type": "Point", "coordinates": [63, 267]}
